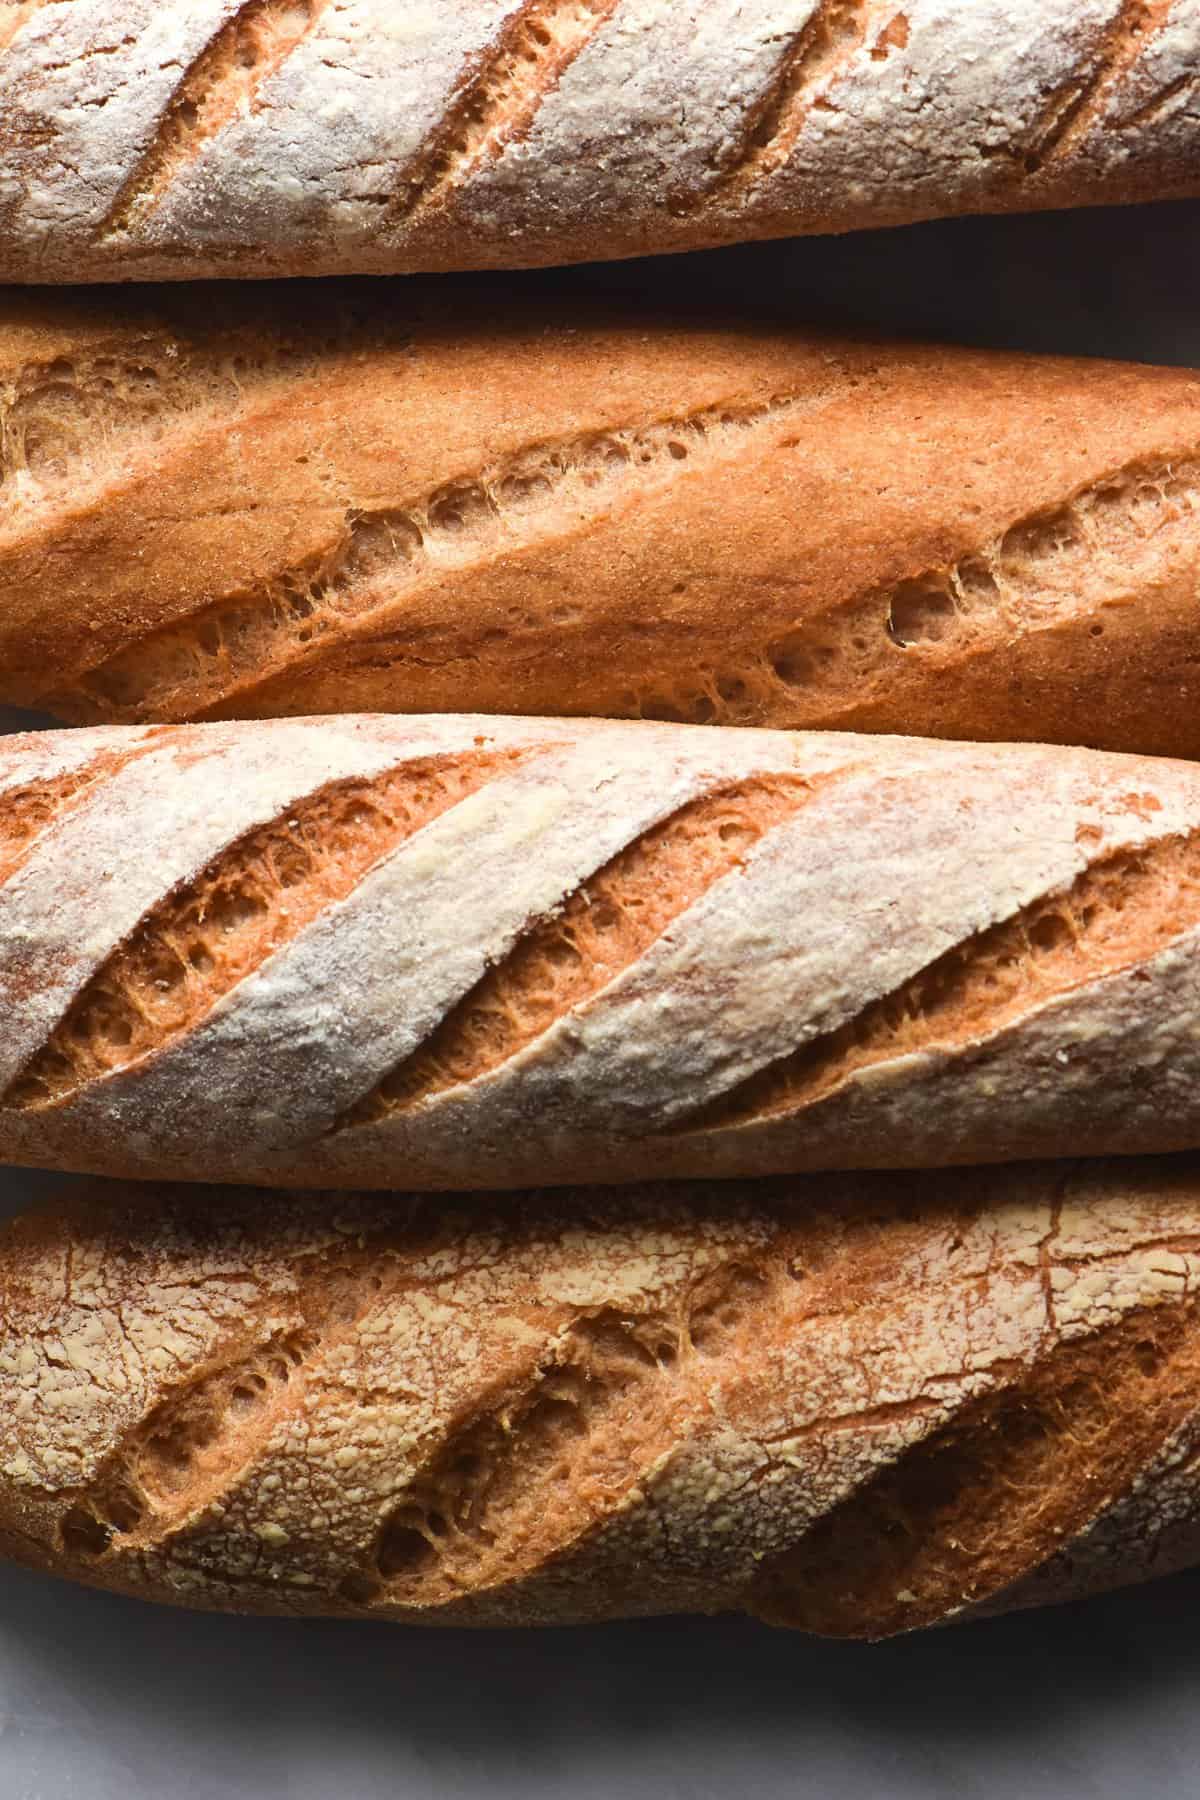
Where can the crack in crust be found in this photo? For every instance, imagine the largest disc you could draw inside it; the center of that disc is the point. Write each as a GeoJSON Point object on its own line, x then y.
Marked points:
{"type": "Point", "coordinates": [500, 99]}
{"type": "Point", "coordinates": [808, 68]}
{"type": "Point", "coordinates": [191, 1447]}
{"type": "Point", "coordinates": [839, 1406]}
{"type": "Point", "coordinates": [1027, 572]}
{"type": "Point", "coordinates": [574, 1433]}
{"type": "Point", "coordinates": [1154, 108]}
{"type": "Point", "coordinates": [1075, 106]}
{"type": "Point", "coordinates": [537, 492]}
{"type": "Point", "coordinates": [186, 1450]}
{"type": "Point", "coordinates": [222, 82]}
{"type": "Point", "coordinates": [1114, 917]}
{"type": "Point", "coordinates": [198, 944]}
{"type": "Point", "coordinates": [989, 1497]}
{"type": "Point", "coordinates": [602, 929]}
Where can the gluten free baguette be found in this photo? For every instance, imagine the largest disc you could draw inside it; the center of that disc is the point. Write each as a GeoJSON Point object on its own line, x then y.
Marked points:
{"type": "Point", "coordinates": [424, 503]}
{"type": "Point", "coordinates": [854, 1405]}
{"type": "Point", "coordinates": [180, 138]}
{"type": "Point", "coordinates": [459, 952]}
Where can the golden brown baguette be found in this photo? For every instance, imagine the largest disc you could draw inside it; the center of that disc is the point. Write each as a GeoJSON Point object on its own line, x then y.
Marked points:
{"type": "Point", "coordinates": [237, 137]}
{"type": "Point", "coordinates": [461, 952]}
{"type": "Point", "coordinates": [407, 504]}
{"type": "Point", "coordinates": [855, 1405]}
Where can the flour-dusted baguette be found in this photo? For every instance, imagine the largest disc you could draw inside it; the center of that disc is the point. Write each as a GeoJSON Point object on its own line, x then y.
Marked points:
{"type": "Point", "coordinates": [420, 503]}
{"type": "Point", "coordinates": [851, 1404]}
{"type": "Point", "coordinates": [457, 952]}
{"type": "Point", "coordinates": [236, 137]}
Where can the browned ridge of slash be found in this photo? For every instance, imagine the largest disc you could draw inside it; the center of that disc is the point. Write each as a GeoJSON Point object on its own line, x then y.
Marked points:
{"type": "Point", "coordinates": [187, 668]}
{"type": "Point", "coordinates": [993, 1494]}
{"type": "Point", "coordinates": [568, 1445]}
{"type": "Point", "coordinates": [201, 941]}
{"type": "Point", "coordinates": [605, 926]}
{"type": "Point", "coordinates": [1075, 106]}
{"type": "Point", "coordinates": [582, 1425]}
{"type": "Point", "coordinates": [29, 810]}
{"type": "Point", "coordinates": [1031, 571]}
{"type": "Point", "coordinates": [66, 419]}
{"type": "Point", "coordinates": [184, 1453]}
{"type": "Point", "coordinates": [225, 78]}
{"type": "Point", "coordinates": [1114, 917]}
{"type": "Point", "coordinates": [812, 61]}
{"type": "Point", "coordinates": [1070, 559]}
{"type": "Point", "coordinates": [501, 96]}
{"type": "Point", "coordinates": [1158, 103]}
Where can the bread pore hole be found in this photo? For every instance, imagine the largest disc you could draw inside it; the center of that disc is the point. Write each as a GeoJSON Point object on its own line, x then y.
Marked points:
{"type": "Point", "coordinates": [1050, 932]}
{"type": "Point", "coordinates": [1038, 539]}
{"type": "Point", "coordinates": [722, 1307]}
{"type": "Point", "coordinates": [792, 666]}
{"type": "Point", "coordinates": [465, 507]}
{"type": "Point", "coordinates": [546, 1457]}
{"type": "Point", "coordinates": [921, 612]}
{"type": "Point", "coordinates": [358, 1590]}
{"type": "Point", "coordinates": [83, 1534]}
{"type": "Point", "coordinates": [403, 1549]}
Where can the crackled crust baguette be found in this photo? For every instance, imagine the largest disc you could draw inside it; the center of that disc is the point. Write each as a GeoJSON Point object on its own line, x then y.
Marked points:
{"type": "Point", "coordinates": [461, 952]}
{"type": "Point", "coordinates": [214, 505]}
{"type": "Point", "coordinates": [854, 1405]}
{"type": "Point", "coordinates": [158, 138]}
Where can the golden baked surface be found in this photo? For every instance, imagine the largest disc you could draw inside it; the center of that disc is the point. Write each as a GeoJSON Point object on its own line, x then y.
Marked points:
{"type": "Point", "coordinates": [260, 501]}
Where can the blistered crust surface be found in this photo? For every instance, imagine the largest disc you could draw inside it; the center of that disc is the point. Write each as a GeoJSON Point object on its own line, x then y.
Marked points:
{"type": "Point", "coordinates": [854, 1405]}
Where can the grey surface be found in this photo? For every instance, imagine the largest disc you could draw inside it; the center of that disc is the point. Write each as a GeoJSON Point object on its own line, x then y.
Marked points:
{"type": "Point", "coordinates": [103, 1697]}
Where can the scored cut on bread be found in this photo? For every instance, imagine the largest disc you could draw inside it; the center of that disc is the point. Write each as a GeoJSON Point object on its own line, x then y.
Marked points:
{"type": "Point", "coordinates": [183, 138]}
{"type": "Point", "coordinates": [854, 1405]}
{"type": "Point", "coordinates": [213, 506]}
{"type": "Point", "coordinates": [462, 951]}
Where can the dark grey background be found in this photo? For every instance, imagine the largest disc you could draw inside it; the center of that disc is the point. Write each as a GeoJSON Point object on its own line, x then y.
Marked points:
{"type": "Point", "coordinates": [104, 1698]}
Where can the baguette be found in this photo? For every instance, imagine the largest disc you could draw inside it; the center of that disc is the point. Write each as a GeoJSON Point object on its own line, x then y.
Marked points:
{"type": "Point", "coordinates": [182, 138]}
{"type": "Point", "coordinates": [429, 506]}
{"type": "Point", "coordinates": [465, 952]}
{"type": "Point", "coordinates": [854, 1405]}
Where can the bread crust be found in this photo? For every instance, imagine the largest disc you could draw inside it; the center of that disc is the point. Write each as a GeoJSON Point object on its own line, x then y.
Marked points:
{"type": "Point", "coordinates": [157, 140]}
{"type": "Point", "coordinates": [462, 951]}
{"type": "Point", "coordinates": [854, 1405]}
{"type": "Point", "coordinates": [420, 503]}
